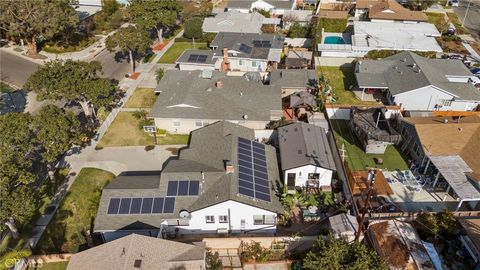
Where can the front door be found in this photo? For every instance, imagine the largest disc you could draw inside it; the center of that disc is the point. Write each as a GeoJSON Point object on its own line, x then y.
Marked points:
{"type": "Point", "coordinates": [291, 181]}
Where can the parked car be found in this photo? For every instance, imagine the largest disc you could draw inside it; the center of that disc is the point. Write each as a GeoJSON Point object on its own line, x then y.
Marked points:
{"type": "Point", "coordinates": [454, 3]}
{"type": "Point", "coordinates": [475, 70]}
{"type": "Point", "coordinates": [456, 57]}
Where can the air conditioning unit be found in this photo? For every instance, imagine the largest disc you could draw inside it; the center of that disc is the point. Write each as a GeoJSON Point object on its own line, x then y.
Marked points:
{"type": "Point", "coordinates": [222, 230]}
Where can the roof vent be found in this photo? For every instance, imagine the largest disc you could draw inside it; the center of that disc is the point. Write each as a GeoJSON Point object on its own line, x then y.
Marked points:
{"type": "Point", "coordinates": [245, 116]}
{"type": "Point", "coordinates": [229, 168]}
{"type": "Point", "coordinates": [295, 129]}
{"type": "Point", "coordinates": [414, 65]}
{"type": "Point", "coordinates": [395, 67]}
{"type": "Point", "coordinates": [209, 89]}
{"type": "Point", "coordinates": [137, 263]}
{"type": "Point", "coordinates": [404, 60]}
{"type": "Point", "coordinates": [445, 121]}
{"type": "Point", "coordinates": [241, 93]}
{"type": "Point", "coordinates": [219, 84]}
{"type": "Point", "coordinates": [184, 214]}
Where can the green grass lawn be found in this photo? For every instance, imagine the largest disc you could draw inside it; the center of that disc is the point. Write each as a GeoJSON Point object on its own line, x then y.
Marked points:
{"type": "Point", "coordinates": [76, 213]}
{"type": "Point", "coordinates": [333, 25]}
{"type": "Point", "coordinates": [357, 159]}
{"type": "Point", "coordinates": [172, 54]}
{"type": "Point", "coordinates": [438, 19]}
{"type": "Point", "coordinates": [124, 131]}
{"type": "Point", "coordinates": [50, 266]}
{"type": "Point", "coordinates": [141, 98]}
{"type": "Point", "coordinates": [341, 79]}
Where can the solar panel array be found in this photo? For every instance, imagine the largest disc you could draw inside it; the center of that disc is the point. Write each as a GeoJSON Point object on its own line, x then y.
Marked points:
{"type": "Point", "coordinates": [245, 48]}
{"type": "Point", "coordinates": [183, 188]}
{"type": "Point", "coordinates": [197, 58]}
{"type": "Point", "coordinates": [135, 206]}
{"type": "Point", "coordinates": [262, 43]}
{"type": "Point", "coordinates": [252, 170]}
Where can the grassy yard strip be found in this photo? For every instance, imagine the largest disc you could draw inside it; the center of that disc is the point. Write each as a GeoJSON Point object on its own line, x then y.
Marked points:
{"type": "Point", "coordinates": [456, 22]}
{"type": "Point", "coordinates": [50, 266]}
{"type": "Point", "coordinates": [333, 25]}
{"type": "Point", "coordinates": [355, 156]}
{"type": "Point", "coordinates": [438, 19]}
{"type": "Point", "coordinates": [141, 98]}
{"type": "Point", "coordinates": [172, 54]}
{"type": "Point", "coordinates": [341, 79]}
{"type": "Point", "coordinates": [75, 215]}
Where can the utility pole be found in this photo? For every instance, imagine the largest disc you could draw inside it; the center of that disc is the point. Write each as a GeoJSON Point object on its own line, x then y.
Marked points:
{"type": "Point", "coordinates": [466, 12]}
{"type": "Point", "coordinates": [366, 202]}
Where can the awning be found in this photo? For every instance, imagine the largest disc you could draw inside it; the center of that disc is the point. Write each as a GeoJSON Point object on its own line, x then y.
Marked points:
{"type": "Point", "coordinates": [453, 169]}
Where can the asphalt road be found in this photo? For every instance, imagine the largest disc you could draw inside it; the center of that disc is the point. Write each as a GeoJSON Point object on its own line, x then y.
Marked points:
{"type": "Point", "coordinates": [14, 69]}
{"type": "Point", "coordinates": [472, 21]}
{"type": "Point", "coordinates": [112, 68]}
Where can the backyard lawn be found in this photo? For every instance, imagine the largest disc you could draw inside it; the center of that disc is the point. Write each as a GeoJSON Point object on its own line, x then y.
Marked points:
{"type": "Point", "coordinates": [333, 25]}
{"type": "Point", "coordinates": [141, 98]}
{"type": "Point", "coordinates": [355, 156]}
{"type": "Point", "coordinates": [75, 215]}
{"type": "Point", "coordinates": [341, 79]}
{"type": "Point", "coordinates": [50, 266]}
{"type": "Point", "coordinates": [125, 131]}
{"type": "Point", "coordinates": [172, 54]}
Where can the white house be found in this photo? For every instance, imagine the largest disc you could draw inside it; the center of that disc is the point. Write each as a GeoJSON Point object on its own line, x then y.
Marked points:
{"type": "Point", "coordinates": [306, 157]}
{"type": "Point", "coordinates": [387, 11]}
{"type": "Point", "coordinates": [222, 183]}
{"type": "Point", "coordinates": [420, 84]}
{"type": "Point", "coordinates": [275, 7]}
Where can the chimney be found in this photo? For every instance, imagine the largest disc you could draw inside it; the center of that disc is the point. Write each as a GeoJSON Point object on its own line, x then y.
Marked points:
{"type": "Point", "coordinates": [225, 66]}
{"type": "Point", "coordinates": [229, 168]}
{"type": "Point", "coordinates": [219, 84]}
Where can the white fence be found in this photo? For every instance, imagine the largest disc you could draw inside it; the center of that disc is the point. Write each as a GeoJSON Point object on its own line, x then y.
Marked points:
{"type": "Point", "coordinates": [343, 113]}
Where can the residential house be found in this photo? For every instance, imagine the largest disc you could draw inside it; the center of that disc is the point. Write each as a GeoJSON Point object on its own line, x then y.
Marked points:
{"type": "Point", "coordinates": [234, 22]}
{"type": "Point", "coordinates": [275, 7]}
{"type": "Point", "coordinates": [471, 238]}
{"type": "Point", "coordinates": [192, 99]}
{"type": "Point", "coordinates": [297, 59]}
{"type": "Point", "coordinates": [399, 244]}
{"type": "Point", "coordinates": [387, 11]}
{"type": "Point", "coordinates": [368, 36]}
{"type": "Point", "coordinates": [306, 157]}
{"type": "Point", "coordinates": [222, 183]}
{"type": "Point", "coordinates": [236, 52]}
{"type": "Point", "coordinates": [419, 84]}
{"type": "Point", "coordinates": [446, 150]}
{"type": "Point", "coordinates": [140, 252]}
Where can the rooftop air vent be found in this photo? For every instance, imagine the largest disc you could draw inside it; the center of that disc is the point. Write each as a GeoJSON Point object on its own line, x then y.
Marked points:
{"type": "Point", "coordinates": [245, 116]}
{"type": "Point", "coordinates": [137, 264]}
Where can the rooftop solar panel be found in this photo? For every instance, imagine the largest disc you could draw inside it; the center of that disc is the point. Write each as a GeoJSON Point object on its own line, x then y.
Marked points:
{"type": "Point", "coordinates": [169, 205]}
{"type": "Point", "coordinates": [245, 48]}
{"type": "Point", "coordinates": [182, 188]}
{"type": "Point", "coordinates": [136, 205]}
{"type": "Point", "coordinates": [194, 188]}
{"type": "Point", "coordinates": [125, 206]}
{"type": "Point", "coordinates": [201, 59]}
{"type": "Point", "coordinates": [147, 205]}
{"type": "Point", "coordinates": [172, 188]}
{"type": "Point", "coordinates": [157, 206]}
{"type": "Point", "coordinates": [113, 206]}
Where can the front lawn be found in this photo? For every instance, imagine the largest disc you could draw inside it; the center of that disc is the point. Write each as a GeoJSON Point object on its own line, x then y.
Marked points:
{"type": "Point", "coordinates": [50, 266]}
{"type": "Point", "coordinates": [172, 54]}
{"type": "Point", "coordinates": [341, 79]}
{"type": "Point", "coordinates": [333, 25]}
{"type": "Point", "coordinates": [76, 213]}
{"type": "Point", "coordinates": [456, 22]}
{"type": "Point", "coordinates": [438, 19]}
{"type": "Point", "coordinates": [125, 131]}
{"type": "Point", "coordinates": [141, 98]}
{"type": "Point", "coordinates": [359, 160]}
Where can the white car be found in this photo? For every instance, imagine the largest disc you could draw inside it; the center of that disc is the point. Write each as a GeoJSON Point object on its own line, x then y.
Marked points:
{"type": "Point", "coordinates": [454, 3]}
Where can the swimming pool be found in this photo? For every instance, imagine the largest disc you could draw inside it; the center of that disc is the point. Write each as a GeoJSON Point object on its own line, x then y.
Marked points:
{"type": "Point", "coordinates": [334, 40]}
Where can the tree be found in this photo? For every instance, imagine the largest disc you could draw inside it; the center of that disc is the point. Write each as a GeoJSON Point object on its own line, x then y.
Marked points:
{"type": "Point", "coordinates": [193, 28]}
{"type": "Point", "coordinates": [213, 261]}
{"type": "Point", "coordinates": [337, 253]}
{"type": "Point", "coordinates": [433, 225]}
{"type": "Point", "coordinates": [158, 14]}
{"type": "Point", "coordinates": [75, 81]}
{"type": "Point", "coordinates": [192, 9]}
{"type": "Point", "coordinates": [159, 74]}
{"type": "Point", "coordinates": [56, 130]}
{"type": "Point", "coordinates": [36, 19]}
{"type": "Point", "coordinates": [109, 7]}
{"type": "Point", "coordinates": [129, 40]}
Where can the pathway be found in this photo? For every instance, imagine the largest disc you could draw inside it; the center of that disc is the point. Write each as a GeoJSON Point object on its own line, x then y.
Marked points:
{"type": "Point", "coordinates": [115, 158]}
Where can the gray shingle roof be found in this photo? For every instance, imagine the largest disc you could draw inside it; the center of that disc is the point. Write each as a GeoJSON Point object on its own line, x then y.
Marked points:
{"type": "Point", "coordinates": [246, 4]}
{"type": "Point", "coordinates": [408, 71]}
{"type": "Point", "coordinates": [153, 253]}
{"type": "Point", "coordinates": [233, 41]}
{"type": "Point", "coordinates": [235, 22]}
{"type": "Point", "coordinates": [304, 144]}
{"type": "Point", "coordinates": [208, 149]}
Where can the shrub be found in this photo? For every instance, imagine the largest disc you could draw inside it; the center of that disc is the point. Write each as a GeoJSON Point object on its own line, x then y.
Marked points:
{"type": "Point", "coordinates": [254, 251]}
{"type": "Point", "coordinates": [264, 12]}
{"type": "Point", "coordinates": [212, 261]}
{"type": "Point", "coordinates": [298, 31]}
{"type": "Point", "coordinates": [149, 147]}
{"type": "Point", "coordinates": [159, 74]}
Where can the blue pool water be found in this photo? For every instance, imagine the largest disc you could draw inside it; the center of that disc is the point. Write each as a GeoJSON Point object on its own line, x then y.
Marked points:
{"type": "Point", "coordinates": [334, 40]}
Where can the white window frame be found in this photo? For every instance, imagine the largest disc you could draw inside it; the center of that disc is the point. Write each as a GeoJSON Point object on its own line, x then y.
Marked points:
{"type": "Point", "coordinates": [197, 122]}
{"type": "Point", "coordinates": [255, 63]}
{"type": "Point", "coordinates": [209, 219]}
{"type": "Point", "coordinates": [446, 102]}
{"type": "Point", "coordinates": [223, 219]}
{"type": "Point", "coordinates": [241, 62]}
{"type": "Point", "coordinates": [263, 219]}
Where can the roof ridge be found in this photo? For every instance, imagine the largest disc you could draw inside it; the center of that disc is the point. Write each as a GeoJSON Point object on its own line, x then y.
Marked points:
{"type": "Point", "coordinates": [127, 256]}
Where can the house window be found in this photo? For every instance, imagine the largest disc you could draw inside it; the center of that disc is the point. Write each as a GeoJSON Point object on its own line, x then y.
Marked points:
{"type": "Point", "coordinates": [446, 102]}
{"type": "Point", "coordinates": [209, 219]}
{"type": "Point", "coordinates": [255, 63]}
{"type": "Point", "coordinates": [176, 123]}
{"type": "Point", "coordinates": [223, 219]}
{"type": "Point", "coordinates": [198, 124]}
{"type": "Point", "coordinates": [314, 176]}
{"type": "Point", "coordinates": [241, 62]}
{"type": "Point", "coordinates": [263, 219]}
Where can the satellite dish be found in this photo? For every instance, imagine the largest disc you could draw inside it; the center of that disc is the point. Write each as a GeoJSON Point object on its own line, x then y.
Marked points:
{"type": "Point", "coordinates": [184, 214]}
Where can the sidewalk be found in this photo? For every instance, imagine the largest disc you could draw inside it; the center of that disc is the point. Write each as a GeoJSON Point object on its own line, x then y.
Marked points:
{"type": "Point", "coordinates": [78, 159]}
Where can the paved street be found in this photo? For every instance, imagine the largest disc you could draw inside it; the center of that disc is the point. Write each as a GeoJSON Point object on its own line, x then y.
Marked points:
{"type": "Point", "coordinates": [14, 69]}
{"type": "Point", "coordinates": [472, 21]}
{"type": "Point", "coordinates": [112, 68]}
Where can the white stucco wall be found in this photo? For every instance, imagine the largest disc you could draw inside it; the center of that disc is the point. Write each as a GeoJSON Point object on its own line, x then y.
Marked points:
{"type": "Point", "coordinates": [301, 175]}
{"type": "Point", "coordinates": [422, 99]}
{"type": "Point", "coordinates": [243, 64]}
{"type": "Point", "coordinates": [188, 125]}
{"type": "Point", "coordinates": [235, 210]}
{"type": "Point", "coordinates": [195, 67]}
{"type": "Point", "coordinates": [463, 105]}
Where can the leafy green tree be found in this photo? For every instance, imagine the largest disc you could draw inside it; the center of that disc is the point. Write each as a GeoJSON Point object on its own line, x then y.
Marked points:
{"type": "Point", "coordinates": [18, 207]}
{"type": "Point", "coordinates": [109, 7]}
{"type": "Point", "coordinates": [264, 12]}
{"type": "Point", "coordinates": [213, 261]}
{"type": "Point", "coordinates": [56, 130]}
{"type": "Point", "coordinates": [193, 28]}
{"type": "Point", "coordinates": [36, 19]}
{"type": "Point", "coordinates": [158, 14]}
{"type": "Point", "coordinates": [159, 74]}
{"type": "Point", "coordinates": [75, 81]}
{"type": "Point", "coordinates": [129, 40]}
{"type": "Point", "coordinates": [337, 253]}
{"type": "Point", "coordinates": [298, 31]}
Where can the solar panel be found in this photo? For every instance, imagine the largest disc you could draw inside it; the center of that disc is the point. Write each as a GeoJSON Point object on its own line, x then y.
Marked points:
{"type": "Point", "coordinates": [202, 59]}
{"type": "Point", "coordinates": [125, 206]}
{"type": "Point", "coordinates": [245, 48]}
{"type": "Point", "coordinates": [252, 169]}
{"type": "Point", "coordinates": [136, 205]}
{"type": "Point", "coordinates": [169, 205]}
{"type": "Point", "coordinates": [172, 188]}
{"type": "Point", "coordinates": [182, 188]}
{"type": "Point", "coordinates": [113, 206]}
{"type": "Point", "coordinates": [194, 188]}
{"type": "Point", "coordinates": [157, 206]}
{"type": "Point", "coordinates": [197, 58]}
{"type": "Point", "coordinates": [147, 205]}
